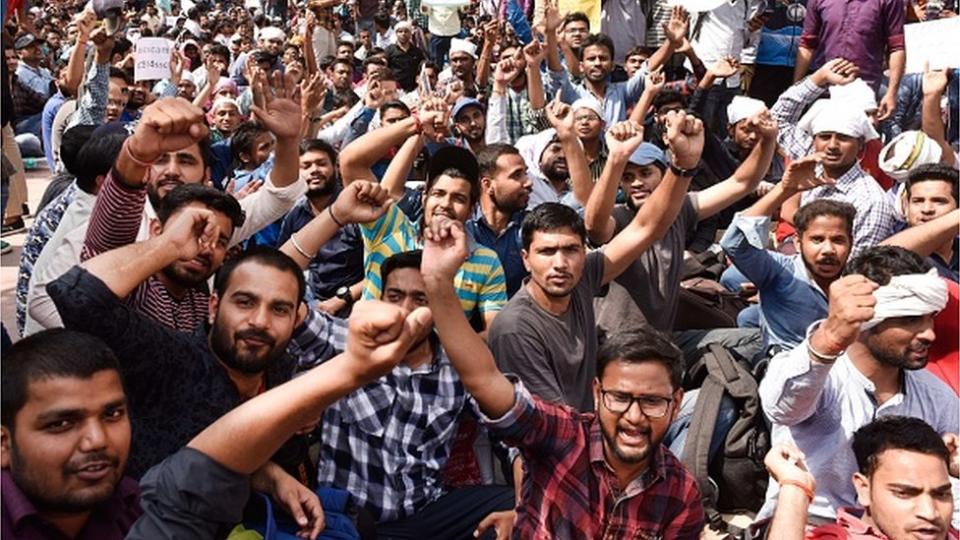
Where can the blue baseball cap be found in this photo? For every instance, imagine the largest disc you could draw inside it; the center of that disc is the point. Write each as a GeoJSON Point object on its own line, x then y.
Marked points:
{"type": "Point", "coordinates": [647, 153]}
{"type": "Point", "coordinates": [462, 104]}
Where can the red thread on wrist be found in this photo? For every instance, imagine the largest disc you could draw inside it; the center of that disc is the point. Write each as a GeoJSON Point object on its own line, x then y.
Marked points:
{"type": "Point", "coordinates": [793, 482]}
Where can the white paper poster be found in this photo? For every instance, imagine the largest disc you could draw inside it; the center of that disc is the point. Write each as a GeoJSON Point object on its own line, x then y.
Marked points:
{"type": "Point", "coordinates": [151, 60]}
{"type": "Point", "coordinates": [936, 42]}
{"type": "Point", "coordinates": [697, 6]}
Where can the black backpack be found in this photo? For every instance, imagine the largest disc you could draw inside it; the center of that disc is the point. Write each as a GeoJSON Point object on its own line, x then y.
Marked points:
{"type": "Point", "coordinates": [737, 479]}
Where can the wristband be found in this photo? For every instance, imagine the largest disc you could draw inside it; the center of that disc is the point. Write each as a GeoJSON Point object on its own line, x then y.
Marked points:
{"type": "Point", "coordinates": [793, 482]}
{"type": "Point", "coordinates": [133, 158]}
{"type": "Point", "coordinates": [686, 173]}
{"type": "Point", "coordinates": [334, 217]}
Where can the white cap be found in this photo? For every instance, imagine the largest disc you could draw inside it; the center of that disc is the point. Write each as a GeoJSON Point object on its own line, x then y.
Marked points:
{"type": "Point", "coordinates": [221, 101]}
{"type": "Point", "coordinates": [857, 94]}
{"type": "Point", "coordinates": [462, 45]}
{"type": "Point", "coordinates": [830, 115]}
{"type": "Point", "coordinates": [906, 151]}
{"type": "Point", "coordinates": [403, 24]}
{"type": "Point", "coordinates": [743, 107]}
{"type": "Point", "coordinates": [187, 76]}
{"type": "Point", "coordinates": [587, 102]}
{"type": "Point", "coordinates": [272, 32]}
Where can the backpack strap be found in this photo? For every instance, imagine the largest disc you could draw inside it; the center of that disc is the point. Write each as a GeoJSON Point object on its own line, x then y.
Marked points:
{"type": "Point", "coordinates": [696, 450]}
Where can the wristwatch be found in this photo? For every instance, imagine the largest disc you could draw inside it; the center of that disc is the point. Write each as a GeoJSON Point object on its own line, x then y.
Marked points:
{"type": "Point", "coordinates": [686, 173]}
{"type": "Point", "coordinates": [344, 294]}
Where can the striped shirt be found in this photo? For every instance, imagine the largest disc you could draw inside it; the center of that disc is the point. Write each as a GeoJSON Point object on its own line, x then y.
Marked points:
{"type": "Point", "coordinates": [480, 283]}
{"type": "Point", "coordinates": [115, 223]}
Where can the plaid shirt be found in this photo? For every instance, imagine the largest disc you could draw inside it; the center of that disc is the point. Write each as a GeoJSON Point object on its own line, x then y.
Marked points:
{"type": "Point", "coordinates": [570, 490]}
{"type": "Point", "coordinates": [510, 116]}
{"type": "Point", "coordinates": [787, 112]}
{"type": "Point", "coordinates": [386, 443]}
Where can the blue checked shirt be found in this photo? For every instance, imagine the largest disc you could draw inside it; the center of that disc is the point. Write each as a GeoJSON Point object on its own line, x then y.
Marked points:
{"type": "Point", "coordinates": [618, 96]}
{"type": "Point", "coordinates": [386, 443]}
{"type": "Point", "coordinates": [787, 112]}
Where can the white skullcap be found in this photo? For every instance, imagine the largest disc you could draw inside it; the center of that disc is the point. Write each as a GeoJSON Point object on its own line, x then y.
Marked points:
{"type": "Point", "coordinates": [221, 101]}
{"type": "Point", "coordinates": [906, 151]}
{"type": "Point", "coordinates": [910, 295]}
{"type": "Point", "coordinates": [830, 115]}
{"type": "Point", "coordinates": [743, 107]}
{"type": "Point", "coordinates": [187, 76]}
{"type": "Point", "coordinates": [403, 24]}
{"type": "Point", "coordinates": [462, 45]}
{"type": "Point", "coordinates": [855, 94]}
{"type": "Point", "coordinates": [272, 32]}
{"type": "Point", "coordinates": [588, 102]}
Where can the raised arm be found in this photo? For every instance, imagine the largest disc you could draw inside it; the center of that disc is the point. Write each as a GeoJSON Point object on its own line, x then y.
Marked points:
{"type": "Point", "coordinates": [277, 107]}
{"type": "Point", "coordinates": [652, 85]}
{"type": "Point", "coordinates": [92, 105]}
{"type": "Point", "coordinates": [926, 238]}
{"type": "Point", "coordinates": [551, 24]}
{"type": "Point", "coordinates": [786, 465]}
{"type": "Point", "coordinates": [799, 176]}
{"type": "Point", "coordinates": [561, 118]}
{"type": "Point", "coordinates": [676, 32]}
{"type": "Point", "coordinates": [534, 53]}
{"type": "Point", "coordinates": [934, 84]}
{"type": "Point", "coordinates": [444, 250]}
{"type": "Point", "coordinates": [491, 35]}
{"type": "Point", "coordinates": [622, 140]}
{"type": "Point", "coordinates": [747, 176]}
{"type": "Point", "coordinates": [685, 137]}
{"type": "Point", "coordinates": [85, 24]}
{"type": "Point", "coordinates": [309, 55]}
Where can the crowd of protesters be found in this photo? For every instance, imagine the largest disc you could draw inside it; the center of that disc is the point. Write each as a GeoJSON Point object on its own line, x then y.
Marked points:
{"type": "Point", "coordinates": [443, 269]}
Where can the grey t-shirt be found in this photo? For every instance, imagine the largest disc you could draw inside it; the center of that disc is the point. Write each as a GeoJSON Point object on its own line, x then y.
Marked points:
{"type": "Point", "coordinates": [554, 356]}
{"type": "Point", "coordinates": [653, 280]}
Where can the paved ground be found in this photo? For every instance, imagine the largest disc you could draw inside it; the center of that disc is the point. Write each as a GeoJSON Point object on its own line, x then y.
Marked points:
{"type": "Point", "coordinates": [36, 182]}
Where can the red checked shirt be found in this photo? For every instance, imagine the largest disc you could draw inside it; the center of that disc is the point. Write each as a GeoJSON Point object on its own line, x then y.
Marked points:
{"type": "Point", "coordinates": [570, 492]}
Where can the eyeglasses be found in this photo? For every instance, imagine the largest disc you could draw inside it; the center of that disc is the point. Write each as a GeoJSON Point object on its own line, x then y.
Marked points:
{"type": "Point", "coordinates": [650, 406]}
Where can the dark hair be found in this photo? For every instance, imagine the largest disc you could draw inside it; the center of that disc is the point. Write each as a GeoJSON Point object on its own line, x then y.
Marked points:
{"type": "Point", "coordinates": [264, 255]}
{"type": "Point", "coordinates": [824, 207]}
{"type": "Point", "coordinates": [395, 104]}
{"type": "Point", "coordinates": [95, 158]}
{"type": "Point", "coordinates": [895, 433]}
{"type": "Point", "coordinates": [117, 73]}
{"type": "Point", "coordinates": [487, 158]}
{"type": "Point", "coordinates": [668, 96]}
{"type": "Point", "coordinates": [598, 39]}
{"type": "Point", "coordinates": [211, 197]}
{"type": "Point", "coordinates": [49, 354]}
{"type": "Point", "coordinates": [382, 19]}
{"type": "Point", "coordinates": [385, 74]}
{"type": "Point", "coordinates": [880, 263]}
{"type": "Point", "coordinates": [342, 42]}
{"type": "Point", "coordinates": [576, 16]}
{"type": "Point", "coordinates": [244, 138]}
{"type": "Point", "coordinates": [642, 344]}
{"type": "Point", "coordinates": [454, 172]}
{"type": "Point", "coordinates": [121, 45]}
{"type": "Point", "coordinates": [935, 172]}
{"type": "Point", "coordinates": [70, 144]}
{"type": "Point", "coordinates": [427, 64]}
{"type": "Point", "coordinates": [218, 49]}
{"type": "Point", "coordinates": [373, 60]}
{"type": "Point", "coordinates": [343, 61]}
{"type": "Point", "coordinates": [551, 216]}
{"type": "Point", "coordinates": [642, 51]}
{"type": "Point", "coordinates": [319, 145]}
{"type": "Point", "coordinates": [404, 259]}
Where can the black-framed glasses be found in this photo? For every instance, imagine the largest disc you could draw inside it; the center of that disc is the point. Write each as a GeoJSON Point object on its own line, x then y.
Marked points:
{"type": "Point", "coordinates": [650, 406]}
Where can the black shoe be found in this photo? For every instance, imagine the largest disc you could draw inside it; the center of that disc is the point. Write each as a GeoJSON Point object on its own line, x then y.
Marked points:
{"type": "Point", "coordinates": [25, 210]}
{"type": "Point", "coordinates": [14, 227]}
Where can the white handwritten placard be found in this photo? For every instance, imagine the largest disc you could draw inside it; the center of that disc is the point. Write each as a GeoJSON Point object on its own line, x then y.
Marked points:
{"type": "Point", "coordinates": [936, 42]}
{"type": "Point", "coordinates": [151, 60]}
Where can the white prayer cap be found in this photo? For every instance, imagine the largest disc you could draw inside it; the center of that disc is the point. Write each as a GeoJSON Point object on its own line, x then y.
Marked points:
{"type": "Point", "coordinates": [220, 102]}
{"type": "Point", "coordinates": [830, 115]}
{"type": "Point", "coordinates": [906, 151]}
{"type": "Point", "coordinates": [187, 76]}
{"type": "Point", "coordinates": [909, 295]}
{"type": "Point", "coordinates": [743, 107]}
{"type": "Point", "coordinates": [272, 32]}
{"type": "Point", "coordinates": [403, 24]}
{"type": "Point", "coordinates": [462, 45]}
{"type": "Point", "coordinates": [587, 102]}
{"type": "Point", "coordinates": [855, 94]}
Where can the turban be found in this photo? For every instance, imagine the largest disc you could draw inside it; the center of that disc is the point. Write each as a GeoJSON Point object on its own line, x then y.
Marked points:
{"type": "Point", "coordinates": [830, 115]}
{"type": "Point", "coordinates": [909, 295]}
{"type": "Point", "coordinates": [856, 94]}
{"type": "Point", "coordinates": [462, 45]}
{"type": "Point", "coordinates": [906, 151]}
{"type": "Point", "coordinates": [743, 107]}
{"type": "Point", "coordinates": [272, 32]}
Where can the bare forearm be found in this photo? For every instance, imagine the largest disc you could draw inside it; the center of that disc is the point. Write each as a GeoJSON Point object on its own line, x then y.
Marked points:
{"type": "Point", "coordinates": [804, 57]}
{"type": "Point", "coordinates": [310, 239]}
{"type": "Point", "coordinates": [580, 177]}
{"type": "Point", "coordinates": [790, 517]}
{"type": "Point", "coordinates": [359, 156]}
{"type": "Point", "coordinates": [395, 179]}
{"type": "Point", "coordinates": [769, 202]}
{"type": "Point", "coordinates": [75, 68]}
{"type": "Point", "coordinates": [535, 91]}
{"type": "Point", "coordinates": [604, 195]}
{"type": "Point", "coordinates": [483, 64]}
{"type": "Point", "coordinates": [661, 55]}
{"type": "Point", "coordinates": [309, 55]}
{"type": "Point", "coordinates": [755, 167]}
{"type": "Point", "coordinates": [573, 63]}
{"type": "Point", "coordinates": [204, 94]}
{"type": "Point", "coordinates": [926, 238]}
{"type": "Point", "coordinates": [789, 208]}
{"type": "Point", "coordinates": [125, 268]}
{"type": "Point", "coordinates": [898, 62]}
{"type": "Point", "coordinates": [639, 113]}
{"type": "Point", "coordinates": [286, 166]}
{"type": "Point", "coordinates": [931, 124]}
{"type": "Point", "coordinates": [553, 52]}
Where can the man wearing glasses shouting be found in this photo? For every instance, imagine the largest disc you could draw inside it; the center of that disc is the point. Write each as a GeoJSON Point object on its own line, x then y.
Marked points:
{"type": "Point", "coordinates": [603, 474]}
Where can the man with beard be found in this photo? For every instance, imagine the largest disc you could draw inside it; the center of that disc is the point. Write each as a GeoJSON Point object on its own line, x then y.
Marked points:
{"type": "Point", "coordinates": [587, 474]}
{"type": "Point", "coordinates": [404, 57]}
{"type": "Point", "coordinates": [462, 69]}
{"type": "Point", "coordinates": [792, 288]}
{"type": "Point", "coordinates": [505, 190]}
{"type": "Point", "coordinates": [470, 124]}
{"type": "Point", "coordinates": [168, 149]}
{"type": "Point", "coordinates": [903, 486]}
{"type": "Point", "coordinates": [65, 442]}
{"type": "Point", "coordinates": [863, 361]}
{"type": "Point", "coordinates": [270, 48]}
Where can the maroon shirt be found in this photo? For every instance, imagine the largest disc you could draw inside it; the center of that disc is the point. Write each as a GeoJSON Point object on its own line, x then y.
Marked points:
{"type": "Point", "coordinates": [109, 521]}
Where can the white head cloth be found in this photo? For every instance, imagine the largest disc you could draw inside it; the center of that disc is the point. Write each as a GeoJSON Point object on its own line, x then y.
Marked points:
{"type": "Point", "coordinates": [830, 115]}
{"type": "Point", "coordinates": [906, 151]}
{"type": "Point", "coordinates": [272, 32]}
{"type": "Point", "coordinates": [462, 45]}
{"type": "Point", "coordinates": [588, 102]}
{"type": "Point", "coordinates": [855, 94]}
{"type": "Point", "coordinates": [222, 101]}
{"type": "Point", "coordinates": [909, 295]}
{"type": "Point", "coordinates": [743, 107]}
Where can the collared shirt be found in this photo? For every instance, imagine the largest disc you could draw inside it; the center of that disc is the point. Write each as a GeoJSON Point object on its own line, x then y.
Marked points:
{"type": "Point", "coordinates": [819, 406]}
{"type": "Point", "coordinates": [480, 282]}
{"type": "Point", "coordinates": [616, 99]}
{"type": "Point", "coordinates": [175, 384]}
{"type": "Point", "coordinates": [37, 79]}
{"type": "Point", "coordinates": [406, 64]}
{"type": "Point", "coordinates": [850, 526]}
{"type": "Point", "coordinates": [338, 263]}
{"type": "Point", "coordinates": [787, 111]}
{"type": "Point", "coordinates": [43, 228]}
{"type": "Point", "coordinates": [948, 269]}
{"type": "Point", "coordinates": [722, 31]}
{"type": "Point", "coordinates": [110, 520]}
{"type": "Point", "coordinates": [508, 244]}
{"type": "Point", "coordinates": [387, 443]}
{"type": "Point", "coordinates": [789, 299]}
{"type": "Point", "coordinates": [571, 491]}
{"type": "Point", "coordinates": [510, 116]}
{"type": "Point", "coordinates": [861, 31]}
{"type": "Point", "coordinates": [92, 106]}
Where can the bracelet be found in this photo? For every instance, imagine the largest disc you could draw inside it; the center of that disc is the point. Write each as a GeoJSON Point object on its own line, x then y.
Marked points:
{"type": "Point", "coordinates": [334, 217]}
{"type": "Point", "coordinates": [794, 482]}
{"type": "Point", "coordinates": [825, 358]}
{"type": "Point", "coordinates": [833, 344]}
{"type": "Point", "coordinates": [296, 246]}
{"type": "Point", "coordinates": [133, 158]}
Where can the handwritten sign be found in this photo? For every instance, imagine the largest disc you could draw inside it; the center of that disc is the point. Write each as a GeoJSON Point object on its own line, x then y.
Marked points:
{"type": "Point", "coordinates": [697, 6]}
{"type": "Point", "coordinates": [936, 42]}
{"type": "Point", "coordinates": [151, 60]}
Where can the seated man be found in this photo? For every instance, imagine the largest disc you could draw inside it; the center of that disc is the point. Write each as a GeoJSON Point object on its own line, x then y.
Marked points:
{"type": "Point", "coordinates": [792, 288]}
{"type": "Point", "coordinates": [902, 483]}
{"type": "Point", "coordinates": [864, 360]}
{"type": "Point", "coordinates": [587, 474]}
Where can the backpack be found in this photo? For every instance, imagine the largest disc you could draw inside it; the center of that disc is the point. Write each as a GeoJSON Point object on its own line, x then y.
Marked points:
{"type": "Point", "coordinates": [737, 478]}
{"type": "Point", "coordinates": [702, 302]}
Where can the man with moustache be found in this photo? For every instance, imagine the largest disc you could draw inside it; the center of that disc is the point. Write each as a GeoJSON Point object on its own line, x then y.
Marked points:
{"type": "Point", "coordinates": [864, 361]}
